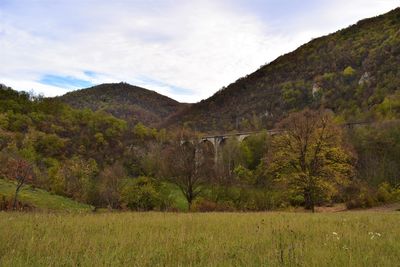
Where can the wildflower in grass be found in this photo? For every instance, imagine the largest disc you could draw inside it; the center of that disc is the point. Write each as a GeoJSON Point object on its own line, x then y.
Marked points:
{"type": "Point", "coordinates": [336, 235]}
{"type": "Point", "coordinates": [374, 234]}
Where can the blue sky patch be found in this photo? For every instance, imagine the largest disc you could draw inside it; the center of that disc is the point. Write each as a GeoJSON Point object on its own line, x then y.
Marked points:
{"type": "Point", "coordinates": [90, 74]}
{"type": "Point", "coordinates": [64, 81]}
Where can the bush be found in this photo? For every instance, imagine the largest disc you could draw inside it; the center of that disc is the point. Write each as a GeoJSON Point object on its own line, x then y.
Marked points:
{"type": "Point", "coordinates": [360, 202]}
{"type": "Point", "coordinates": [349, 71]}
{"type": "Point", "coordinates": [243, 198]}
{"type": "Point", "coordinates": [296, 200]}
{"type": "Point", "coordinates": [6, 203]}
{"type": "Point", "coordinates": [258, 200]}
{"type": "Point", "coordinates": [359, 195]}
{"type": "Point", "coordinates": [364, 199]}
{"type": "Point", "coordinates": [384, 193]}
{"type": "Point", "coordinates": [140, 194]}
{"type": "Point", "coordinates": [206, 205]}
{"type": "Point", "coordinates": [396, 194]}
{"type": "Point", "coordinates": [387, 193]}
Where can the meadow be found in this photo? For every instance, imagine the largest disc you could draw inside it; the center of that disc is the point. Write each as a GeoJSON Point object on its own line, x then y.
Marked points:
{"type": "Point", "coordinates": [200, 239]}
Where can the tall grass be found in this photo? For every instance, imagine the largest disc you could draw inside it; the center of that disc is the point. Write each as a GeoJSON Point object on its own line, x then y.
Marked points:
{"type": "Point", "coordinates": [202, 239]}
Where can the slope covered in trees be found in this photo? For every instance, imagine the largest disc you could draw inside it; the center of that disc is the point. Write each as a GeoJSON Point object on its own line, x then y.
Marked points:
{"type": "Point", "coordinates": [91, 157]}
{"type": "Point", "coordinates": [95, 158]}
{"type": "Point", "coordinates": [355, 72]}
{"type": "Point", "coordinates": [124, 101]}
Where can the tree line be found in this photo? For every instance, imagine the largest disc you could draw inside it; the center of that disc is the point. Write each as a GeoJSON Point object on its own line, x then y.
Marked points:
{"type": "Point", "coordinates": [97, 159]}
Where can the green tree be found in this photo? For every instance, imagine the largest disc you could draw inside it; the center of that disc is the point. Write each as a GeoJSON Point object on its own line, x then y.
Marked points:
{"type": "Point", "coordinates": [349, 71]}
{"type": "Point", "coordinates": [309, 157]}
{"type": "Point", "coordinates": [79, 175]}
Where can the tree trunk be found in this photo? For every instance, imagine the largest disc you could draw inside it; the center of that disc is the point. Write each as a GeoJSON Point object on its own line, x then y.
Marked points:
{"type": "Point", "coordinates": [309, 200]}
{"type": "Point", "coordinates": [15, 198]}
{"type": "Point", "coordinates": [189, 196]}
{"type": "Point", "coordinates": [15, 201]}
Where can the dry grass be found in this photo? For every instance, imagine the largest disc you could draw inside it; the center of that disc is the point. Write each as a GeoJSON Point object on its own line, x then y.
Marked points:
{"type": "Point", "coordinates": [212, 239]}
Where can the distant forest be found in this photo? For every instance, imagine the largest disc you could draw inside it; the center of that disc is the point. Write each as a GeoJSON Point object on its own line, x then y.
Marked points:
{"type": "Point", "coordinates": [95, 158]}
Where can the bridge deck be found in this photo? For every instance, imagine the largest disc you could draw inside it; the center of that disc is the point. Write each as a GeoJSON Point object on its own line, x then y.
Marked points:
{"type": "Point", "coordinates": [275, 131]}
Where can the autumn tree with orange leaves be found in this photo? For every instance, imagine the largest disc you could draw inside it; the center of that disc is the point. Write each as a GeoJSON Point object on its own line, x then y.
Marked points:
{"type": "Point", "coordinates": [21, 171]}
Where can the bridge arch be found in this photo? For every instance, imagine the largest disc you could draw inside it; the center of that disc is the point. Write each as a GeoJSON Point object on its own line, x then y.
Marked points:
{"type": "Point", "coordinates": [242, 137]}
{"type": "Point", "coordinates": [206, 145]}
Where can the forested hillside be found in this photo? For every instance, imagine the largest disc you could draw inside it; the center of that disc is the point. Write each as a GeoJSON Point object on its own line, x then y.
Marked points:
{"type": "Point", "coordinates": [355, 72]}
{"type": "Point", "coordinates": [124, 101]}
{"type": "Point", "coordinates": [65, 150]}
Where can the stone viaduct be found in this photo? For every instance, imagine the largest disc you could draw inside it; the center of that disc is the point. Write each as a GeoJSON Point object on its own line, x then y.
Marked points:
{"type": "Point", "coordinates": [218, 140]}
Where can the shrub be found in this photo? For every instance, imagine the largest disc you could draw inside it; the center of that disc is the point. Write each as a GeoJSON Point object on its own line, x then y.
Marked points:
{"type": "Point", "coordinates": [359, 195]}
{"type": "Point", "coordinates": [6, 203]}
{"type": "Point", "coordinates": [296, 200]}
{"type": "Point", "coordinates": [384, 193]}
{"type": "Point", "coordinates": [349, 71]}
{"type": "Point", "coordinates": [258, 200]}
{"type": "Point", "coordinates": [140, 194]}
{"type": "Point", "coordinates": [206, 205]}
{"type": "Point", "coordinates": [396, 193]}
{"type": "Point", "coordinates": [362, 200]}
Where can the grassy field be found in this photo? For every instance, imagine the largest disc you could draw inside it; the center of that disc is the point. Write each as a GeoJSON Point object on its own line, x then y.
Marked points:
{"type": "Point", "coordinates": [41, 199]}
{"type": "Point", "coordinates": [200, 239]}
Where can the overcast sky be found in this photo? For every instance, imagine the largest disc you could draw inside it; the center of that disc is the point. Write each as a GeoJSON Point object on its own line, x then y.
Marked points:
{"type": "Point", "coordinates": [185, 49]}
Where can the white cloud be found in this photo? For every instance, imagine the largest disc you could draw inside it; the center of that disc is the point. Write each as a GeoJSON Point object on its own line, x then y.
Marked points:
{"type": "Point", "coordinates": [36, 87]}
{"type": "Point", "coordinates": [198, 45]}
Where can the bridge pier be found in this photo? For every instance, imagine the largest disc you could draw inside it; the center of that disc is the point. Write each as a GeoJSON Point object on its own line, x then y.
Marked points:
{"type": "Point", "coordinates": [216, 142]}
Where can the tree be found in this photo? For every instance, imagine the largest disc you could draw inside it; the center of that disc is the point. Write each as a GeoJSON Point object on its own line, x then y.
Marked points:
{"type": "Point", "coordinates": [309, 157]}
{"type": "Point", "coordinates": [79, 176]}
{"type": "Point", "coordinates": [349, 71]}
{"type": "Point", "coordinates": [21, 171]}
{"type": "Point", "coordinates": [230, 151]}
{"type": "Point", "coordinates": [110, 184]}
{"type": "Point", "coordinates": [189, 165]}
{"type": "Point", "coordinates": [378, 150]}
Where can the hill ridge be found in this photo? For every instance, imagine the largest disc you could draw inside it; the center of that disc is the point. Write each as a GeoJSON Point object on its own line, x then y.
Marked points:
{"type": "Point", "coordinates": [370, 49]}
{"type": "Point", "coordinates": [125, 101]}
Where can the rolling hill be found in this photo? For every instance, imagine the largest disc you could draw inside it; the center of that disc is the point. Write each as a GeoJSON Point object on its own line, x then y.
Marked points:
{"type": "Point", "coordinates": [124, 101]}
{"type": "Point", "coordinates": [351, 72]}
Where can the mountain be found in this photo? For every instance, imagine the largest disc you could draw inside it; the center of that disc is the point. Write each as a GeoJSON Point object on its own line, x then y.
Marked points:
{"type": "Point", "coordinates": [352, 72]}
{"type": "Point", "coordinates": [124, 101]}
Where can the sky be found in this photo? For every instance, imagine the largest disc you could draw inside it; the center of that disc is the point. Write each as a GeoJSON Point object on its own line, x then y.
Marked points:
{"type": "Point", "coordinates": [185, 49]}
